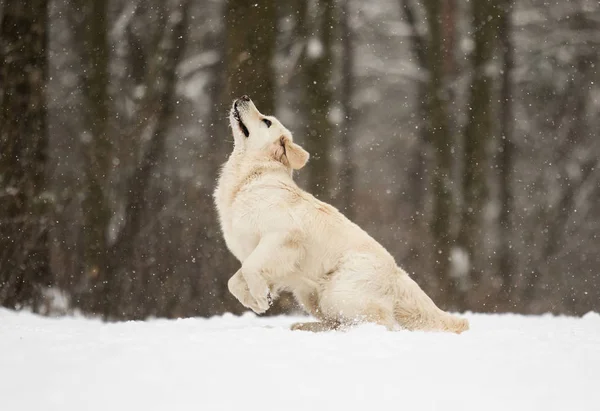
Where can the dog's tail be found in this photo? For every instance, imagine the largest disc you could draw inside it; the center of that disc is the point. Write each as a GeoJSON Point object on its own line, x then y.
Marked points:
{"type": "Point", "coordinates": [414, 309]}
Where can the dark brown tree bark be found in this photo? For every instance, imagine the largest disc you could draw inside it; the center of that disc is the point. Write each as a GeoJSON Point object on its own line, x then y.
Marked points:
{"type": "Point", "coordinates": [347, 173]}
{"type": "Point", "coordinates": [505, 156]}
{"type": "Point", "coordinates": [24, 218]}
{"type": "Point", "coordinates": [92, 32]}
{"type": "Point", "coordinates": [317, 66]}
{"type": "Point", "coordinates": [449, 35]}
{"type": "Point", "coordinates": [419, 199]}
{"type": "Point", "coordinates": [441, 139]}
{"type": "Point", "coordinates": [249, 50]}
{"type": "Point", "coordinates": [477, 134]}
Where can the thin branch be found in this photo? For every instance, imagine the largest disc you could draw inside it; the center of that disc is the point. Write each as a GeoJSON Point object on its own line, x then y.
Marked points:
{"type": "Point", "coordinates": [418, 41]}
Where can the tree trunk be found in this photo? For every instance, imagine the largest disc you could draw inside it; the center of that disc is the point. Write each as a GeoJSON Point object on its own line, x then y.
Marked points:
{"type": "Point", "coordinates": [347, 174]}
{"type": "Point", "coordinates": [317, 64]}
{"type": "Point", "coordinates": [477, 134]}
{"type": "Point", "coordinates": [505, 156]}
{"type": "Point", "coordinates": [97, 150]}
{"type": "Point", "coordinates": [250, 47]}
{"type": "Point", "coordinates": [441, 139]}
{"type": "Point", "coordinates": [24, 220]}
{"type": "Point", "coordinates": [420, 200]}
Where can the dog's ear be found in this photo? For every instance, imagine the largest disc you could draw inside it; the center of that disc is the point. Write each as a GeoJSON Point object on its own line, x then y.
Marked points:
{"type": "Point", "coordinates": [296, 155]}
{"type": "Point", "coordinates": [289, 153]}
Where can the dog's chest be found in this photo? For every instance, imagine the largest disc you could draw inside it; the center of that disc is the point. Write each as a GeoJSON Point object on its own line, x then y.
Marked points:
{"type": "Point", "coordinates": [240, 229]}
{"type": "Point", "coordinates": [241, 237]}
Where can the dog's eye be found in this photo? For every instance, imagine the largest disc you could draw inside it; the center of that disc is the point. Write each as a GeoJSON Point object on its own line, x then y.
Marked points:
{"type": "Point", "coordinates": [267, 122]}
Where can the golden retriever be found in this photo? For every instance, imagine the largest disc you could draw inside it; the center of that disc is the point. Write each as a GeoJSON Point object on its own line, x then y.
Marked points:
{"type": "Point", "coordinates": [286, 239]}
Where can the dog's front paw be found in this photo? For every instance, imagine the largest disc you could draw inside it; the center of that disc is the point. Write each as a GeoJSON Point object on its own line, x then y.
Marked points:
{"type": "Point", "coordinates": [238, 287]}
{"type": "Point", "coordinates": [263, 303]}
{"type": "Point", "coordinates": [260, 293]}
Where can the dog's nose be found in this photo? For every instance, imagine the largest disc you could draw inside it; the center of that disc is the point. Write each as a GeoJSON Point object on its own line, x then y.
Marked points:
{"type": "Point", "coordinates": [245, 98]}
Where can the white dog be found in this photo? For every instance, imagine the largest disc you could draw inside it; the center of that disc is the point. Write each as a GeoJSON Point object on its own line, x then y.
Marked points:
{"type": "Point", "coordinates": [286, 239]}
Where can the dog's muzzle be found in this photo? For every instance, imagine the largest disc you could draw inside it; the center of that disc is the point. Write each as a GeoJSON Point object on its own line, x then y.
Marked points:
{"type": "Point", "coordinates": [241, 103]}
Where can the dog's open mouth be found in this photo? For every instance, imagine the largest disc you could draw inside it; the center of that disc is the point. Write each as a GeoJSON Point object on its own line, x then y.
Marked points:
{"type": "Point", "coordinates": [236, 115]}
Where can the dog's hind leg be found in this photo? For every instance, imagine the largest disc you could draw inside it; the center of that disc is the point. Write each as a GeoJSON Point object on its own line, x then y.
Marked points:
{"type": "Point", "coordinates": [354, 293]}
{"type": "Point", "coordinates": [309, 300]}
{"type": "Point", "coordinates": [316, 326]}
{"type": "Point", "coordinates": [372, 314]}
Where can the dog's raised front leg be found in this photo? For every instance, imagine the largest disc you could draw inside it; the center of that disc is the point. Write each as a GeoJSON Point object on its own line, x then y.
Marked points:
{"type": "Point", "coordinates": [239, 288]}
{"type": "Point", "coordinates": [276, 256]}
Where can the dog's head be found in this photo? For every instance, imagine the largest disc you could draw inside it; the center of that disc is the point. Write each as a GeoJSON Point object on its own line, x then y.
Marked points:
{"type": "Point", "coordinates": [255, 134]}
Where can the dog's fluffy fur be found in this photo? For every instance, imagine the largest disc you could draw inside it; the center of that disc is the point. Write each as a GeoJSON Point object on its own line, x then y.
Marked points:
{"type": "Point", "coordinates": [287, 239]}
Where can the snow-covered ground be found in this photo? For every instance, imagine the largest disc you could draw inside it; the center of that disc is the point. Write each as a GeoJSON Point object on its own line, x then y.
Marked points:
{"type": "Point", "coordinates": [505, 362]}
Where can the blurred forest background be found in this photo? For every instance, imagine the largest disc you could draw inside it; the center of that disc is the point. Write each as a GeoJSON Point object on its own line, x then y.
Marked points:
{"type": "Point", "coordinates": [462, 135]}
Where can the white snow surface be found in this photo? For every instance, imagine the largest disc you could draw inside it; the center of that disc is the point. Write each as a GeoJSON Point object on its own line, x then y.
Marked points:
{"type": "Point", "coordinates": [505, 362]}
